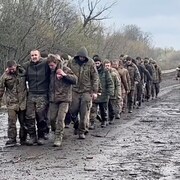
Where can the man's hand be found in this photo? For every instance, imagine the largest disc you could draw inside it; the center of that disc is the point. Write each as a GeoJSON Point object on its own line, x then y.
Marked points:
{"type": "Point", "coordinates": [136, 82]}
{"type": "Point", "coordinates": [61, 72]}
{"type": "Point", "coordinates": [94, 96]}
{"type": "Point", "coordinates": [59, 76]}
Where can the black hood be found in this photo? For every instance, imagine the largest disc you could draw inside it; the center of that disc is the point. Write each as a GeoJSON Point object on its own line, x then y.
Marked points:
{"type": "Point", "coordinates": [82, 52]}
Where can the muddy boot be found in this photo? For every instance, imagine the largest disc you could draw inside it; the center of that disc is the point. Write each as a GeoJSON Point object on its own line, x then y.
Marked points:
{"type": "Point", "coordinates": [40, 141]}
{"type": "Point", "coordinates": [67, 126]}
{"type": "Point", "coordinates": [76, 131]}
{"type": "Point", "coordinates": [22, 136]}
{"type": "Point", "coordinates": [92, 126]}
{"type": "Point", "coordinates": [118, 116]}
{"type": "Point", "coordinates": [58, 140]}
{"type": "Point", "coordinates": [82, 136]}
{"type": "Point", "coordinates": [111, 121]}
{"type": "Point", "coordinates": [86, 131]}
{"type": "Point", "coordinates": [32, 141]}
{"type": "Point", "coordinates": [103, 124]}
{"type": "Point", "coordinates": [130, 109]}
{"type": "Point", "coordinates": [11, 142]}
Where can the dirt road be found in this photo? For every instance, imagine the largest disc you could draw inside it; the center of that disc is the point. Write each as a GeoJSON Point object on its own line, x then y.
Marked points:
{"type": "Point", "coordinates": [144, 145]}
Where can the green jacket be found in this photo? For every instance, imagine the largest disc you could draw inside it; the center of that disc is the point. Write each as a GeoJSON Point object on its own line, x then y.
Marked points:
{"type": "Point", "coordinates": [134, 75]}
{"type": "Point", "coordinates": [86, 72]}
{"type": "Point", "coordinates": [107, 85]}
{"type": "Point", "coordinates": [14, 88]}
{"type": "Point", "coordinates": [117, 84]}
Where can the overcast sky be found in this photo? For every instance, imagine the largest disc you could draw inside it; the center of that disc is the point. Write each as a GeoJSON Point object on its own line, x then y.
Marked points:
{"type": "Point", "coordinates": [161, 18]}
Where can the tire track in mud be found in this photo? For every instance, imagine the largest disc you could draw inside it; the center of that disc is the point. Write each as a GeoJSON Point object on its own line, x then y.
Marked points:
{"type": "Point", "coordinates": [143, 145]}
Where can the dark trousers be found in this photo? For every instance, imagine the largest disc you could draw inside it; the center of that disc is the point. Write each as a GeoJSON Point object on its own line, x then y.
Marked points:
{"type": "Point", "coordinates": [148, 90]}
{"type": "Point", "coordinates": [13, 115]}
{"type": "Point", "coordinates": [103, 109]}
{"type": "Point", "coordinates": [139, 92]}
{"type": "Point", "coordinates": [155, 89]}
{"type": "Point", "coordinates": [130, 99]}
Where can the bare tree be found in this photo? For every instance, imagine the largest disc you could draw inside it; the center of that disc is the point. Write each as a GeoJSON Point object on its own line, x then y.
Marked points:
{"type": "Point", "coordinates": [94, 12]}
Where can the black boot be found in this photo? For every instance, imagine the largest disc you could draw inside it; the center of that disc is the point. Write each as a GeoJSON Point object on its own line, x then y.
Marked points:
{"type": "Point", "coordinates": [10, 142]}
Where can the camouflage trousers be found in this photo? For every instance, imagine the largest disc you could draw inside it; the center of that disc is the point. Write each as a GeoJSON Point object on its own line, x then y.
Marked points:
{"type": "Point", "coordinates": [13, 115]}
{"type": "Point", "coordinates": [36, 112]}
{"type": "Point", "coordinates": [114, 108]}
{"type": "Point", "coordinates": [57, 114]}
{"type": "Point", "coordinates": [81, 103]}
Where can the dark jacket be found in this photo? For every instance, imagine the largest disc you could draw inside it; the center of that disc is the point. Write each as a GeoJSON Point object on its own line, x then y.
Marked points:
{"type": "Point", "coordinates": [134, 75]}
{"type": "Point", "coordinates": [37, 76]}
{"type": "Point", "coordinates": [144, 73]}
{"type": "Point", "coordinates": [107, 85]}
{"type": "Point", "coordinates": [60, 90]}
{"type": "Point", "coordinates": [86, 72]}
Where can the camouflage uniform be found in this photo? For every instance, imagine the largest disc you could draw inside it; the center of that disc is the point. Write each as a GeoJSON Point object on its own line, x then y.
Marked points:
{"type": "Point", "coordinates": [125, 87]}
{"type": "Point", "coordinates": [134, 77]}
{"type": "Point", "coordinates": [107, 88]}
{"type": "Point", "coordinates": [115, 101]}
{"type": "Point", "coordinates": [147, 81]}
{"type": "Point", "coordinates": [37, 76]}
{"type": "Point", "coordinates": [60, 95]}
{"type": "Point", "coordinates": [144, 73]}
{"type": "Point", "coordinates": [156, 81]}
{"type": "Point", "coordinates": [14, 87]}
{"type": "Point", "coordinates": [82, 92]}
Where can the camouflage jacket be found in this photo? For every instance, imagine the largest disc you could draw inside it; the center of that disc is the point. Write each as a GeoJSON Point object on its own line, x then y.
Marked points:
{"type": "Point", "coordinates": [134, 75]}
{"type": "Point", "coordinates": [157, 75]}
{"type": "Point", "coordinates": [14, 88]}
{"type": "Point", "coordinates": [60, 90]}
{"type": "Point", "coordinates": [125, 79]}
{"type": "Point", "coordinates": [107, 85]}
{"type": "Point", "coordinates": [117, 84]}
{"type": "Point", "coordinates": [86, 72]}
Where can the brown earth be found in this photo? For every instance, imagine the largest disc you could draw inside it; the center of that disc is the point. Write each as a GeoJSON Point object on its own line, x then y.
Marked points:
{"type": "Point", "coordinates": [144, 145]}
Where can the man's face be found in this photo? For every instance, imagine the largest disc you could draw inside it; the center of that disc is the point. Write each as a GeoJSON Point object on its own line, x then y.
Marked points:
{"type": "Point", "coordinates": [81, 58]}
{"type": "Point", "coordinates": [98, 64]}
{"type": "Point", "coordinates": [35, 56]}
{"type": "Point", "coordinates": [107, 66]}
{"type": "Point", "coordinates": [129, 62]}
{"type": "Point", "coordinates": [12, 69]}
{"type": "Point", "coordinates": [52, 65]}
{"type": "Point", "coordinates": [115, 65]}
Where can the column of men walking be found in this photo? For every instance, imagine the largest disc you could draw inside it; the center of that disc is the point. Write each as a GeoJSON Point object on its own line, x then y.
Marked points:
{"type": "Point", "coordinates": [48, 94]}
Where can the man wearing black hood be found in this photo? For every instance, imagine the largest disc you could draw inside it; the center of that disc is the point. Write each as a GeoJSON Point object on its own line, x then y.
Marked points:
{"type": "Point", "coordinates": [86, 88]}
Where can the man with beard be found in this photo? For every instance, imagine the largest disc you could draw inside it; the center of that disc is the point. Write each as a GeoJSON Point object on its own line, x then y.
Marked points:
{"type": "Point", "coordinates": [107, 90]}
{"type": "Point", "coordinates": [115, 101]}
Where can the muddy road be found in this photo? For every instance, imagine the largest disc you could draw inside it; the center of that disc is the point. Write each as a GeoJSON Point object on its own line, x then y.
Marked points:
{"type": "Point", "coordinates": [144, 145]}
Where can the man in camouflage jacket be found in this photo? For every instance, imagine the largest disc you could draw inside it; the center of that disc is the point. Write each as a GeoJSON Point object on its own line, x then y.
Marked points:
{"type": "Point", "coordinates": [60, 95]}
{"type": "Point", "coordinates": [13, 85]}
{"type": "Point", "coordinates": [86, 88]}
